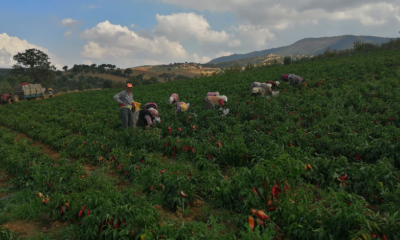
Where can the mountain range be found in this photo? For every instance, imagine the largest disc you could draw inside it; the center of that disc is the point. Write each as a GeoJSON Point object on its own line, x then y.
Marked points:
{"type": "Point", "coordinates": [308, 46]}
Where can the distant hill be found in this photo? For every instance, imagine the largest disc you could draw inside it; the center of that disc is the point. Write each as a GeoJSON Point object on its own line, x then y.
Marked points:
{"type": "Point", "coordinates": [308, 46]}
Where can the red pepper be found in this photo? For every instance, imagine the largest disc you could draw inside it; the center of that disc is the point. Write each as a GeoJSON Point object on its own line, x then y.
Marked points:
{"type": "Point", "coordinates": [192, 149]}
{"type": "Point", "coordinates": [271, 208]}
{"type": "Point", "coordinates": [116, 225]}
{"type": "Point", "coordinates": [169, 129]}
{"type": "Point", "coordinates": [261, 214]}
{"type": "Point", "coordinates": [182, 194]}
{"type": "Point", "coordinates": [83, 208]}
{"type": "Point", "coordinates": [269, 203]}
{"type": "Point", "coordinates": [255, 191]}
{"type": "Point", "coordinates": [151, 187]}
{"type": "Point", "coordinates": [62, 211]}
{"type": "Point", "coordinates": [253, 211]}
{"type": "Point", "coordinates": [80, 213]}
{"type": "Point", "coordinates": [374, 235]}
{"type": "Point", "coordinates": [67, 205]}
{"type": "Point", "coordinates": [260, 222]}
{"type": "Point", "coordinates": [185, 148]}
{"type": "Point", "coordinates": [166, 144]}
{"type": "Point", "coordinates": [344, 177]}
{"type": "Point", "coordinates": [275, 191]}
{"type": "Point", "coordinates": [163, 237]}
{"type": "Point", "coordinates": [162, 171]}
{"type": "Point", "coordinates": [87, 212]}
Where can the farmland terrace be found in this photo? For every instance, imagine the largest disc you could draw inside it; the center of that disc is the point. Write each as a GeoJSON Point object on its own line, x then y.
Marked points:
{"type": "Point", "coordinates": [320, 161]}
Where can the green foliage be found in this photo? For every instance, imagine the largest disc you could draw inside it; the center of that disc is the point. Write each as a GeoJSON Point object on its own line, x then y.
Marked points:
{"type": "Point", "coordinates": [234, 69]}
{"type": "Point", "coordinates": [5, 87]}
{"type": "Point", "coordinates": [108, 83]}
{"type": "Point", "coordinates": [34, 64]}
{"type": "Point", "coordinates": [287, 60]}
{"type": "Point", "coordinates": [64, 89]}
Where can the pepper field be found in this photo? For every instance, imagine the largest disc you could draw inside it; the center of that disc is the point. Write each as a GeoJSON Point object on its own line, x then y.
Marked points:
{"type": "Point", "coordinates": [321, 160]}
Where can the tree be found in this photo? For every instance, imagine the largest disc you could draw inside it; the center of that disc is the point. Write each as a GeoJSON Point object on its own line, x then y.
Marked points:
{"type": "Point", "coordinates": [5, 87]}
{"type": "Point", "coordinates": [34, 64]}
{"type": "Point", "coordinates": [64, 89]}
{"type": "Point", "coordinates": [65, 68]}
{"type": "Point", "coordinates": [88, 86]}
{"type": "Point", "coordinates": [135, 81]}
{"type": "Point", "coordinates": [80, 85]}
{"type": "Point", "coordinates": [154, 80]}
{"type": "Point", "coordinates": [58, 73]}
{"type": "Point", "coordinates": [287, 60]}
{"type": "Point", "coordinates": [108, 83]}
{"type": "Point", "coordinates": [128, 71]}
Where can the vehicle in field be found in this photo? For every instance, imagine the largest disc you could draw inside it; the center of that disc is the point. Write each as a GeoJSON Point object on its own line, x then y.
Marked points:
{"type": "Point", "coordinates": [23, 91]}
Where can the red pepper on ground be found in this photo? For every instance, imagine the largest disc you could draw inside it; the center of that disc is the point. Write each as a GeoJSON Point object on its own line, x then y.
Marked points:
{"type": "Point", "coordinates": [261, 214]}
{"type": "Point", "coordinates": [344, 177]}
{"type": "Point", "coordinates": [255, 191]}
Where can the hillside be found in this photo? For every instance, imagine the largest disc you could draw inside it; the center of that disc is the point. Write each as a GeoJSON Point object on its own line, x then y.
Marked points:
{"type": "Point", "coordinates": [319, 161]}
{"type": "Point", "coordinates": [308, 46]}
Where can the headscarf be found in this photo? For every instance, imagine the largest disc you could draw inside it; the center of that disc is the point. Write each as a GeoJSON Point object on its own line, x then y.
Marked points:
{"type": "Point", "coordinates": [224, 98]}
{"type": "Point", "coordinates": [153, 112]}
{"type": "Point", "coordinates": [216, 93]}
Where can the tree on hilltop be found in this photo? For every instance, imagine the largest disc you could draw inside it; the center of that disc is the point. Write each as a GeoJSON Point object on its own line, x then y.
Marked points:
{"type": "Point", "coordinates": [34, 64]}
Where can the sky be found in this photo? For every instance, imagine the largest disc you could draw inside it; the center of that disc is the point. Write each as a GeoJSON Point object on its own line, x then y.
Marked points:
{"type": "Point", "coordinates": [130, 33]}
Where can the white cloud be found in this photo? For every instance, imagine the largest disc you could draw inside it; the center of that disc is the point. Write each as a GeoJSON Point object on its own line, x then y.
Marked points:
{"type": "Point", "coordinates": [256, 36]}
{"type": "Point", "coordinates": [197, 59]}
{"type": "Point", "coordinates": [223, 54]}
{"type": "Point", "coordinates": [132, 25]}
{"type": "Point", "coordinates": [234, 43]}
{"type": "Point", "coordinates": [87, 62]}
{"type": "Point", "coordinates": [68, 33]}
{"type": "Point", "coordinates": [183, 26]}
{"type": "Point", "coordinates": [107, 40]}
{"type": "Point", "coordinates": [283, 14]}
{"type": "Point", "coordinates": [68, 22]}
{"type": "Point", "coordinates": [10, 46]}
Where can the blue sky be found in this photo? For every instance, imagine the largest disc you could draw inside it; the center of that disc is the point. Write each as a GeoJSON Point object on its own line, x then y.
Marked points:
{"type": "Point", "coordinates": [131, 33]}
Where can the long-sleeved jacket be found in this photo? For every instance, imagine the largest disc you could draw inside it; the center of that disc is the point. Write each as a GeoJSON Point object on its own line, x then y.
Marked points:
{"type": "Point", "coordinates": [294, 79]}
{"type": "Point", "coordinates": [124, 98]}
{"type": "Point", "coordinates": [216, 100]}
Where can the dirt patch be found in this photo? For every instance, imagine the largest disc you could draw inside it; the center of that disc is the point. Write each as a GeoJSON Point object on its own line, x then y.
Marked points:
{"type": "Point", "coordinates": [90, 168]}
{"type": "Point", "coordinates": [31, 228]}
{"type": "Point", "coordinates": [48, 150]}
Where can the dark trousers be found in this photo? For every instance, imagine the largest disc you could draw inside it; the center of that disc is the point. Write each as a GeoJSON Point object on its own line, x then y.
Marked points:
{"type": "Point", "coordinates": [127, 117]}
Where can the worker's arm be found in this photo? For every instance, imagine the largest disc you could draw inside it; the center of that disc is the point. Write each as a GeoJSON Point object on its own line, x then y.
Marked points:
{"type": "Point", "coordinates": [221, 102]}
{"type": "Point", "coordinates": [117, 96]}
{"type": "Point", "coordinates": [148, 120]}
{"type": "Point", "coordinates": [178, 108]}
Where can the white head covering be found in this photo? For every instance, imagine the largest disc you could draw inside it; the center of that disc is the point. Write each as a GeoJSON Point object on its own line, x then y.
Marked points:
{"type": "Point", "coordinates": [171, 99]}
{"type": "Point", "coordinates": [224, 98]}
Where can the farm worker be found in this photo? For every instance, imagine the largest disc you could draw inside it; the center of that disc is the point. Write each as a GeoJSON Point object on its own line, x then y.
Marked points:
{"type": "Point", "coordinates": [275, 85]}
{"type": "Point", "coordinates": [213, 94]}
{"type": "Point", "coordinates": [151, 105]}
{"type": "Point", "coordinates": [293, 79]}
{"type": "Point", "coordinates": [181, 106]}
{"type": "Point", "coordinates": [144, 118]}
{"type": "Point", "coordinates": [253, 85]}
{"type": "Point", "coordinates": [125, 100]}
{"type": "Point", "coordinates": [211, 101]}
{"type": "Point", "coordinates": [50, 92]}
{"type": "Point", "coordinates": [261, 89]}
{"type": "Point", "coordinates": [174, 98]}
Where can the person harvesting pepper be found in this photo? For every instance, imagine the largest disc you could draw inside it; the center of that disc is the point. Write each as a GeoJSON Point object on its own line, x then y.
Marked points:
{"type": "Point", "coordinates": [211, 101]}
{"type": "Point", "coordinates": [144, 118]}
{"type": "Point", "coordinates": [293, 79]}
{"type": "Point", "coordinates": [181, 106]}
{"type": "Point", "coordinates": [125, 100]}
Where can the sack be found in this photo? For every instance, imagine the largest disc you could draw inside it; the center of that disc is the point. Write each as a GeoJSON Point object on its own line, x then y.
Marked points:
{"type": "Point", "coordinates": [137, 106]}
